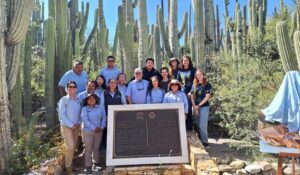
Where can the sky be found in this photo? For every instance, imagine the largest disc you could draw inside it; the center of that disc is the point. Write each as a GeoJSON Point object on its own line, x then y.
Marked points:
{"type": "Point", "coordinates": [111, 11]}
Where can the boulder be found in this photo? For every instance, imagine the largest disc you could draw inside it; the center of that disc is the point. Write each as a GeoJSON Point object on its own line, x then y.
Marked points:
{"type": "Point", "coordinates": [253, 169]}
{"type": "Point", "coordinates": [226, 168]}
{"type": "Point", "coordinates": [238, 164]}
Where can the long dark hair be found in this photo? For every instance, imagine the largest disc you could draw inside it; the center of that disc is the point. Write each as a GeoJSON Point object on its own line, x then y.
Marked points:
{"type": "Point", "coordinates": [150, 87]}
{"type": "Point", "coordinates": [103, 85]}
{"type": "Point", "coordinates": [190, 61]}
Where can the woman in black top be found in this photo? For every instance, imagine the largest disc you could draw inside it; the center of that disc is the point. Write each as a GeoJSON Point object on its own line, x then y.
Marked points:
{"type": "Point", "coordinates": [165, 78]}
{"type": "Point", "coordinates": [186, 77]}
{"type": "Point", "coordinates": [111, 96]}
{"type": "Point", "coordinates": [174, 67]}
{"type": "Point", "coordinates": [201, 92]}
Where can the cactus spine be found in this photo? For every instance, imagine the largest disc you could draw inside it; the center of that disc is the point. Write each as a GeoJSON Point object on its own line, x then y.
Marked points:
{"type": "Point", "coordinates": [286, 53]}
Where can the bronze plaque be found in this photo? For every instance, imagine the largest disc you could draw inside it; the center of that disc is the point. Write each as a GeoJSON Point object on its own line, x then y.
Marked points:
{"type": "Point", "coordinates": [146, 133]}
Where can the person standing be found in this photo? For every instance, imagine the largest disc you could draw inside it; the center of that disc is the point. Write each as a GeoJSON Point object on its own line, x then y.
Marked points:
{"type": "Point", "coordinates": [69, 108]}
{"type": "Point", "coordinates": [136, 91]}
{"type": "Point", "coordinates": [155, 93]}
{"type": "Point", "coordinates": [100, 85]}
{"type": "Point", "coordinates": [164, 72]}
{"type": "Point", "coordinates": [186, 77]}
{"type": "Point", "coordinates": [90, 89]}
{"type": "Point", "coordinates": [149, 70]}
{"type": "Point", "coordinates": [94, 122]}
{"type": "Point", "coordinates": [122, 86]}
{"type": "Point", "coordinates": [77, 75]}
{"type": "Point", "coordinates": [174, 67]}
{"type": "Point", "coordinates": [110, 71]}
{"type": "Point", "coordinates": [201, 92]}
{"type": "Point", "coordinates": [175, 95]}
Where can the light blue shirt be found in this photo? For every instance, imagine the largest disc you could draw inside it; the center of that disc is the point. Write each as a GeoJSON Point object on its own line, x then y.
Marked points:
{"type": "Point", "coordinates": [92, 118]}
{"type": "Point", "coordinates": [137, 91]}
{"type": "Point", "coordinates": [84, 94]}
{"type": "Point", "coordinates": [122, 89]}
{"type": "Point", "coordinates": [80, 80]}
{"type": "Point", "coordinates": [69, 111]}
{"type": "Point", "coordinates": [179, 97]}
{"type": "Point", "coordinates": [109, 73]}
{"type": "Point", "coordinates": [99, 91]}
{"type": "Point", "coordinates": [155, 96]}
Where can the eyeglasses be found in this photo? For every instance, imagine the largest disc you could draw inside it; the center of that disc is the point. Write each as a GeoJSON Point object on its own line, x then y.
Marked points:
{"type": "Point", "coordinates": [72, 87]}
{"type": "Point", "coordinates": [110, 60]}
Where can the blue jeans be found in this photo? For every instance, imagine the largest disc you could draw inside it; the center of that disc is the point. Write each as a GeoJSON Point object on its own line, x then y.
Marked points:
{"type": "Point", "coordinates": [202, 123]}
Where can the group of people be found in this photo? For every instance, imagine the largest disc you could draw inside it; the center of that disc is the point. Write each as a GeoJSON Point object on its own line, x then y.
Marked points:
{"type": "Point", "coordinates": [85, 102]}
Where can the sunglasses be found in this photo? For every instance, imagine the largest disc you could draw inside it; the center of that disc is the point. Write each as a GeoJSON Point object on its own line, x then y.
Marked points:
{"type": "Point", "coordinates": [110, 60]}
{"type": "Point", "coordinates": [72, 87]}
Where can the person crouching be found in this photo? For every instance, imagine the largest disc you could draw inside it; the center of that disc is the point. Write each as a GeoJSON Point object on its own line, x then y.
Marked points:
{"type": "Point", "coordinates": [94, 121]}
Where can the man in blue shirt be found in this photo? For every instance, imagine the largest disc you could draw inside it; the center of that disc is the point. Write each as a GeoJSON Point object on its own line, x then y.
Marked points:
{"type": "Point", "coordinates": [136, 91]}
{"type": "Point", "coordinates": [110, 71]}
{"type": "Point", "coordinates": [76, 74]}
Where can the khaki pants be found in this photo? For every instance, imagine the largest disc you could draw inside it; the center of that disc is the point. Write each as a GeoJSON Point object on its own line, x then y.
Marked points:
{"type": "Point", "coordinates": [92, 141]}
{"type": "Point", "coordinates": [70, 136]}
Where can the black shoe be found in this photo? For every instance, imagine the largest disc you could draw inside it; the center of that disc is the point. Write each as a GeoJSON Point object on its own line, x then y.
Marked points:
{"type": "Point", "coordinates": [206, 145]}
{"type": "Point", "coordinates": [96, 167]}
{"type": "Point", "coordinates": [88, 170]}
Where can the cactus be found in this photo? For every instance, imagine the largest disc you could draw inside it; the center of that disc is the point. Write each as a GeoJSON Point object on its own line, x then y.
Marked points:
{"type": "Point", "coordinates": [91, 35]}
{"type": "Point", "coordinates": [209, 22]}
{"type": "Point", "coordinates": [27, 74]}
{"type": "Point", "coordinates": [199, 34]}
{"type": "Point", "coordinates": [84, 23]}
{"type": "Point", "coordinates": [143, 33]}
{"type": "Point", "coordinates": [293, 24]}
{"type": "Point", "coordinates": [286, 53]}
{"type": "Point", "coordinates": [73, 14]}
{"type": "Point", "coordinates": [297, 46]}
{"type": "Point", "coordinates": [14, 20]}
{"type": "Point", "coordinates": [157, 48]}
{"type": "Point", "coordinates": [50, 70]}
{"type": "Point", "coordinates": [171, 43]}
{"type": "Point", "coordinates": [123, 39]}
{"type": "Point", "coordinates": [218, 40]}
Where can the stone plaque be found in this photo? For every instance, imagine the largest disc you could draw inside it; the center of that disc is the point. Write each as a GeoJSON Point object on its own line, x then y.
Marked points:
{"type": "Point", "coordinates": [146, 134]}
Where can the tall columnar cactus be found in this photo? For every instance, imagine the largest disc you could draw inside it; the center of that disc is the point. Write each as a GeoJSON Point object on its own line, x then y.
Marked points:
{"type": "Point", "coordinates": [218, 37]}
{"type": "Point", "coordinates": [156, 47]}
{"type": "Point", "coordinates": [50, 85]}
{"type": "Point", "coordinates": [297, 46]}
{"type": "Point", "coordinates": [27, 74]}
{"type": "Point", "coordinates": [199, 35]}
{"type": "Point", "coordinates": [239, 34]}
{"type": "Point", "coordinates": [143, 32]}
{"type": "Point", "coordinates": [171, 36]}
{"type": "Point", "coordinates": [73, 15]}
{"type": "Point", "coordinates": [101, 34]}
{"type": "Point", "coordinates": [257, 15]}
{"type": "Point", "coordinates": [209, 21]}
{"type": "Point", "coordinates": [286, 52]}
{"type": "Point", "coordinates": [293, 24]}
{"type": "Point", "coordinates": [14, 20]}
{"type": "Point", "coordinates": [123, 39]}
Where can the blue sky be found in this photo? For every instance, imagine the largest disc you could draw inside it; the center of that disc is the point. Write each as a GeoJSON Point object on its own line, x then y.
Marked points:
{"type": "Point", "coordinates": [111, 11]}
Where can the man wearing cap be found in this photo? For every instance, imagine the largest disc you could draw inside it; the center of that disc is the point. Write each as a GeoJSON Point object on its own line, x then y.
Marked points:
{"type": "Point", "coordinates": [136, 91]}
{"type": "Point", "coordinates": [76, 74]}
{"type": "Point", "coordinates": [110, 71]}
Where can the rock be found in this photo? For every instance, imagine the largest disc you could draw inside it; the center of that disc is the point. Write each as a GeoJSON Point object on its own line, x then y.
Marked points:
{"type": "Point", "coordinates": [226, 168]}
{"type": "Point", "coordinates": [227, 173]}
{"type": "Point", "coordinates": [238, 164]}
{"type": "Point", "coordinates": [225, 160]}
{"type": "Point", "coordinates": [241, 172]}
{"type": "Point", "coordinates": [289, 170]}
{"type": "Point", "coordinates": [265, 166]}
{"type": "Point", "coordinates": [253, 169]}
{"type": "Point", "coordinates": [58, 170]}
{"type": "Point", "coordinates": [270, 172]}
